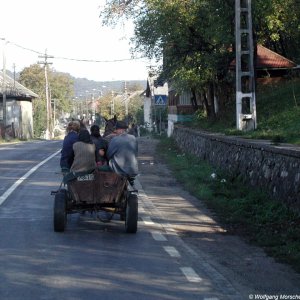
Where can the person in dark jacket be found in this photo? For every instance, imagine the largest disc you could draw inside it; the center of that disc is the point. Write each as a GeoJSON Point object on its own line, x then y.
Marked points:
{"type": "Point", "coordinates": [122, 152]}
{"type": "Point", "coordinates": [100, 143]}
{"type": "Point", "coordinates": [67, 153]}
{"type": "Point", "coordinates": [84, 153]}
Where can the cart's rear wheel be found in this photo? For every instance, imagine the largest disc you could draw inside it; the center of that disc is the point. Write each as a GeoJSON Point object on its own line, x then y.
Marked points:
{"type": "Point", "coordinates": [131, 217]}
{"type": "Point", "coordinates": [122, 216]}
{"type": "Point", "coordinates": [60, 215]}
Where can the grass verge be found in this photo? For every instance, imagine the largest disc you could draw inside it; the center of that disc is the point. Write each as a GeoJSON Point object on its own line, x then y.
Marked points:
{"type": "Point", "coordinates": [242, 211]}
{"type": "Point", "coordinates": [278, 113]}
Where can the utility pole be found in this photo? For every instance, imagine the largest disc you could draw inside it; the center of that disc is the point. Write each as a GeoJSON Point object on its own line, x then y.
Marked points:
{"type": "Point", "coordinates": [14, 67]}
{"type": "Point", "coordinates": [87, 104]}
{"type": "Point", "coordinates": [4, 84]}
{"type": "Point", "coordinates": [112, 109]}
{"type": "Point", "coordinates": [54, 110]}
{"type": "Point", "coordinates": [49, 128]}
{"type": "Point", "coordinates": [94, 106]}
{"type": "Point", "coordinates": [245, 79]}
{"type": "Point", "coordinates": [126, 102]}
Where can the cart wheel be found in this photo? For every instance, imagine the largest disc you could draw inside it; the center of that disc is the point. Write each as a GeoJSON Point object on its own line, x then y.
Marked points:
{"type": "Point", "coordinates": [60, 215]}
{"type": "Point", "coordinates": [131, 217]}
{"type": "Point", "coordinates": [122, 216]}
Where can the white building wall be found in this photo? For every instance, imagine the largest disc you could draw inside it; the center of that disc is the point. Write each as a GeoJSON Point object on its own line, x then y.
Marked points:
{"type": "Point", "coordinates": [26, 130]}
{"type": "Point", "coordinates": [147, 113]}
{"type": "Point", "coordinates": [172, 119]}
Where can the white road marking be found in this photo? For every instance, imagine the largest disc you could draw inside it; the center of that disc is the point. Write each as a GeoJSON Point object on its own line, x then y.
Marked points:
{"type": "Point", "coordinates": [218, 280]}
{"type": "Point", "coordinates": [158, 237]}
{"type": "Point", "coordinates": [190, 274]}
{"type": "Point", "coordinates": [147, 221]}
{"type": "Point", "coordinates": [24, 177]}
{"type": "Point", "coordinates": [172, 251]}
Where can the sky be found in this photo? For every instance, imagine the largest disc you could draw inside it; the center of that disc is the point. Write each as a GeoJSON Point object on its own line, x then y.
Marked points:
{"type": "Point", "coordinates": [67, 30]}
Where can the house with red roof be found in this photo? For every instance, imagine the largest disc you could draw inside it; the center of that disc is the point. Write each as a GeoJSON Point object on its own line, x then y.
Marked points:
{"type": "Point", "coordinates": [270, 67]}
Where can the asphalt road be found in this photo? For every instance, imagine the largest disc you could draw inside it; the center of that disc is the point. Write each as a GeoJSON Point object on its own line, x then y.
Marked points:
{"type": "Point", "coordinates": [172, 256]}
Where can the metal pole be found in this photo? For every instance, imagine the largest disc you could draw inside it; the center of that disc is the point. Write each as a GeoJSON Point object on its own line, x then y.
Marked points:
{"type": "Point", "coordinates": [160, 121]}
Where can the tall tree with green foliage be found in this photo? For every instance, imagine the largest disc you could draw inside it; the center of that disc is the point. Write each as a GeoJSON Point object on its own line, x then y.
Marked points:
{"type": "Point", "coordinates": [192, 37]}
{"type": "Point", "coordinates": [61, 89]}
{"type": "Point", "coordinates": [277, 26]}
{"type": "Point", "coordinates": [196, 39]}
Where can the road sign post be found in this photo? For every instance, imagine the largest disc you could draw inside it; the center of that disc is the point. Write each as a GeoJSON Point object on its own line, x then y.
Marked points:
{"type": "Point", "coordinates": [160, 101]}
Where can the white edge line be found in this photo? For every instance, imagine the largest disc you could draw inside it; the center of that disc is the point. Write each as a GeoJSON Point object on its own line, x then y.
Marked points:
{"type": "Point", "coordinates": [190, 274]}
{"type": "Point", "coordinates": [5, 195]}
{"type": "Point", "coordinates": [172, 251]}
{"type": "Point", "coordinates": [157, 236]}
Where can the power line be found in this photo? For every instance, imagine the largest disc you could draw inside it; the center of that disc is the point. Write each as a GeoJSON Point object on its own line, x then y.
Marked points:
{"type": "Point", "coordinates": [98, 61]}
{"type": "Point", "coordinates": [24, 48]}
{"type": "Point", "coordinates": [77, 59]}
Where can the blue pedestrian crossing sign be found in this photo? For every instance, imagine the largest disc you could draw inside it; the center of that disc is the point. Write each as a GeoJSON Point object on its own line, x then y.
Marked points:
{"type": "Point", "coordinates": [160, 99]}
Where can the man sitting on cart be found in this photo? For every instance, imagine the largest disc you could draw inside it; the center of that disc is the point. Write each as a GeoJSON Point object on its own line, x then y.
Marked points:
{"type": "Point", "coordinates": [122, 152]}
{"type": "Point", "coordinates": [67, 153]}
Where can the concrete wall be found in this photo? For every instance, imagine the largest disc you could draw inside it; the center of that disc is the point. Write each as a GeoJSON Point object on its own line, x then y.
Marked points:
{"type": "Point", "coordinates": [273, 168]}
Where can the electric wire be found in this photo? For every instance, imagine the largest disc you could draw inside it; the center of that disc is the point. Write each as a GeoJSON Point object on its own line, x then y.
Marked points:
{"type": "Point", "coordinates": [77, 59]}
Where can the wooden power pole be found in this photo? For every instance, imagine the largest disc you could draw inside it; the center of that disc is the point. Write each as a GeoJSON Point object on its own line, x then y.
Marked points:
{"type": "Point", "coordinates": [49, 129]}
{"type": "Point", "coordinates": [245, 78]}
{"type": "Point", "coordinates": [4, 85]}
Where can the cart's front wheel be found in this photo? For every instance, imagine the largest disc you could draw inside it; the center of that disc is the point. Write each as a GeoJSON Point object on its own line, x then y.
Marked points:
{"type": "Point", "coordinates": [60, 215]}
{"type": "Point", "coordinates": [131, 217]}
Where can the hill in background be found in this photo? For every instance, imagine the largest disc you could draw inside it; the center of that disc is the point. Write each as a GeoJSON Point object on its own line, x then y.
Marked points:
{"type": "Point", "coordinates": [83, 86]}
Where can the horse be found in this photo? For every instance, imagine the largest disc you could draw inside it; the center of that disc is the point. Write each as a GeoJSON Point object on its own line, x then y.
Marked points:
{"type": "Point", "coordinates": [110, 126]}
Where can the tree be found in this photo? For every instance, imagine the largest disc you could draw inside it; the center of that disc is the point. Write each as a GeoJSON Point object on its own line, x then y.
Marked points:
{"type": "Point", "coordinates": [196, 39]}
{"type": "Point", "coordinates": [61, 89]}
{"type": "Point", "coordinates": [107, 106]}
{"type": "Point", "coordinates": [135, 108]}
{"type": "Point", "coordinates": [276, 25]}
{"type": "Point", "coordinates": [33, 78]}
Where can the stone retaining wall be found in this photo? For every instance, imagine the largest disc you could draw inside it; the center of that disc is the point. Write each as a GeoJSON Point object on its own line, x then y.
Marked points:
{"type": "Point", "coordinates": [274, 168]}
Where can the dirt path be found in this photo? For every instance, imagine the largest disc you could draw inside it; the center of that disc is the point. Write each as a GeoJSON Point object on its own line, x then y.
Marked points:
{"type": "Point", "coordinates": [247, 267]}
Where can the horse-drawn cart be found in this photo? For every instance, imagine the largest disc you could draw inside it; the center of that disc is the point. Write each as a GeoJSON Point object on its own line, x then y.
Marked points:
{"type": "Point", "coordinates": [94, 192]}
